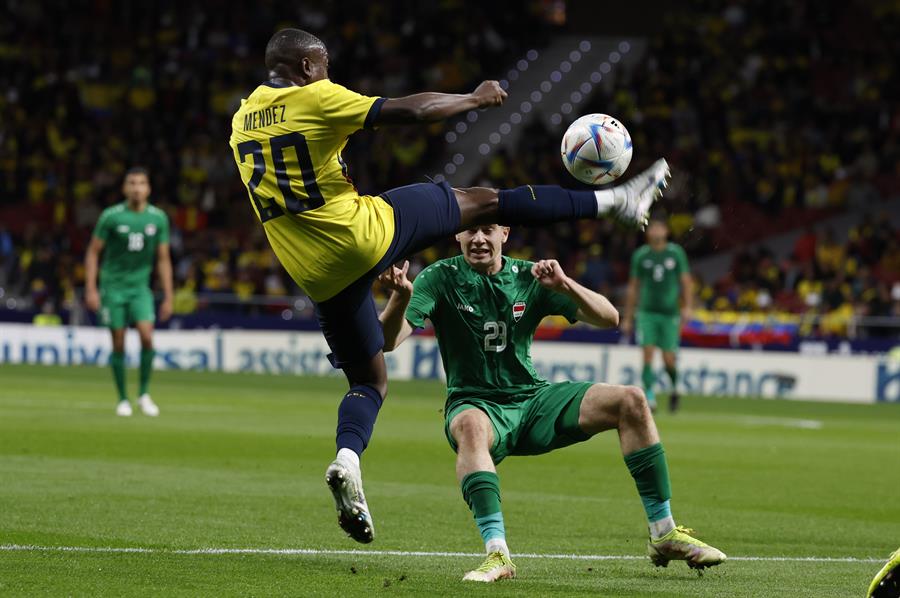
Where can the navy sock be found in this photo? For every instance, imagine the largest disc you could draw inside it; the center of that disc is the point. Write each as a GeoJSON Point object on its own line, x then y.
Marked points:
{"type": "Point", "coordinates": [543, 204]}
{"type": "Point", "coordinates": [356, 417]}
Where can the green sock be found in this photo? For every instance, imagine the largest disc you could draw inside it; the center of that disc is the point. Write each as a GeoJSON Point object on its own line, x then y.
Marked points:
{"type": "Point", "coordinates": [673, 375]}
{"type": "Point", "coordinates": [481, 491]}
{"type": "Point", "coordinates": [147, 356]}
{"type": "Point", "coordinates": [648, 379]}
{"type": "Point", "coordinates": [650, 471]}
{"type": "Point", "coordinates": [117, 361]}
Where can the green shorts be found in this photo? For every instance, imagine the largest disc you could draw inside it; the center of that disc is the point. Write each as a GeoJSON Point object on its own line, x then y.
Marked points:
{"type": "Point", "coordinates": [122, 307]}
{"type": "Point", "coordinates": [541, 419]}
{"type": "Point", "coordinates": [658, 330]}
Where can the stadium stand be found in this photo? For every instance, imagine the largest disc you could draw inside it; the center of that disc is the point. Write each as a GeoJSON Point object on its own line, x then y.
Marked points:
{"type": "Point", "coordinates": [804, 132]}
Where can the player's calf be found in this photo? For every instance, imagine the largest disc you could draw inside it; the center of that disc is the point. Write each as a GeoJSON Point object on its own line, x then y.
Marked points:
{"type": "Point", "coordinates": [636, 426]}
{"type": "Point", "coordinates": [623, 408]}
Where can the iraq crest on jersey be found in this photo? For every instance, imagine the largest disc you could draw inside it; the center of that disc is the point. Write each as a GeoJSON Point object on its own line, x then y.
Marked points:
{"type": "Point", "coordinates": [518, 309]}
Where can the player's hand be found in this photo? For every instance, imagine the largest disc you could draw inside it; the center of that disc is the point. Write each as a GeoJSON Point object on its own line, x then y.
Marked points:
{"type": "Point", "coordinates": [395, 279]}
{"type": "Point", "coordinates": [686, 314]}
{"type": "Point", "coordinates": [165, 310]}
{"type": "Point", "coordinates": [489, 94]}
{"type": "Point", "coordinates": [92, 300]}
{"type": "Point", "coordinates": [550, 274]}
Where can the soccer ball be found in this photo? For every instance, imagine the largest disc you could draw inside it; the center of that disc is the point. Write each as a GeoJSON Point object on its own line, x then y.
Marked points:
{"type": "Point", "coordinates": [596, 149]}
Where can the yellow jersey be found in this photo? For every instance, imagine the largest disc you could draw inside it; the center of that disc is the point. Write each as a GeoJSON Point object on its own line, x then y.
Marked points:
{"type": "Point", "coordinates": [287, 143]}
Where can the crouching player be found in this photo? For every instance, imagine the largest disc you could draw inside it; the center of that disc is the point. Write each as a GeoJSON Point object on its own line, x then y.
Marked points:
{"type": "Point", "coordinates": [485, 309]}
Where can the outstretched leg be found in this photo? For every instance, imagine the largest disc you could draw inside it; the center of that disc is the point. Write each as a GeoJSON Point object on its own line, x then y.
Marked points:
{"type": "Point", "coordinates": [472, 431]}
{"type": "Point", "coordinates": [538, 205]}
{"type": "Point", "coordinates": [624, 408]}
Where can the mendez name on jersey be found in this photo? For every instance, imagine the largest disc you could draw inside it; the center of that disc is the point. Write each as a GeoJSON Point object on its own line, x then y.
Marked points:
{"type": "Point", "coordinates": [270, 115]}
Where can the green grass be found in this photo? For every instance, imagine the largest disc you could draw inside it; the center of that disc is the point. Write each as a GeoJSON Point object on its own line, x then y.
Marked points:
{"type": "Point", "coordinates": [237, 461]}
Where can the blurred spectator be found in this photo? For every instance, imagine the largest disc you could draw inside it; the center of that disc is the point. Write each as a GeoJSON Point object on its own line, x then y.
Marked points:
{"type": "Point", "coordinates": [774, 115]}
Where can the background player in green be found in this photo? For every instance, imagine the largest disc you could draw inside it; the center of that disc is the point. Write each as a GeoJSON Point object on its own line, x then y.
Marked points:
{"type": "Point", "coordinates": [132, 235]}
{"type": "Point", "coordinates": [659, 276]}
{"type": "Point", "coordinates": [485, 309]}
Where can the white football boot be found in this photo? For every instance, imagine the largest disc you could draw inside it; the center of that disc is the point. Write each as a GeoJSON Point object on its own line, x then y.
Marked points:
{"type": "Point", "coordinates": [123, 409]}
{"type": "Point", "coordinates": [148, 407]}
{"type": "Point", "coordinates": [634, 198]}
{"type": "Point", "coordinates": [345, 481]}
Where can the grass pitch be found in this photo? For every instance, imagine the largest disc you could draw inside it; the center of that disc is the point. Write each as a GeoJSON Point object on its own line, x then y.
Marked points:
{"type": "Point", "coordinates": [238, 461]}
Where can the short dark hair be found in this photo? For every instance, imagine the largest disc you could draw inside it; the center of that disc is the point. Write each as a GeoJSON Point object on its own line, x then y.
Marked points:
{"type": "Point", "coordinates": [137, 170]}
{"type": "Point", "coordinates": [289, 46]}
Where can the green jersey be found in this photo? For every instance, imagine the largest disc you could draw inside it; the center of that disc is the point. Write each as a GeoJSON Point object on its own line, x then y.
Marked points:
{"type": "Point", "coordinates": [130, 241]}
{"type": "Point", "coordinates": [485, 324]}
{"type": "Point", "coordinates": [659, 277]}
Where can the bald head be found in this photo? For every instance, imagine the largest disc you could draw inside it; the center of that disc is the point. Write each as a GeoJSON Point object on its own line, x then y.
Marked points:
{"type": "Point", "coordinates": [297, 55]}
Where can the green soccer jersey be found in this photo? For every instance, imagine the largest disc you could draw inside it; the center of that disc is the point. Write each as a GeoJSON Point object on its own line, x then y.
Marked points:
{"type": "Point", "coordinates": [485, 324]}
{"type": "Point", "coordinates": [659, 277]}
{"type": "Point", "coordinates": [130, 241]}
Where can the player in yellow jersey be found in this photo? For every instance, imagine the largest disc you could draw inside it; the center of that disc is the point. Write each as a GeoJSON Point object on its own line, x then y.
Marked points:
{"type": "Point", "coordinates": [287, 138]}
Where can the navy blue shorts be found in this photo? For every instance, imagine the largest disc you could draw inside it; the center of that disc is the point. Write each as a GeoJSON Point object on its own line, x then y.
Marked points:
{"type": "Point", "coordinates": [424, 214]}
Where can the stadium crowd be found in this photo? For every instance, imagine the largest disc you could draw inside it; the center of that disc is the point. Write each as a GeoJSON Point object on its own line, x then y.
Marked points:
{"type": "Point", "coordinates": [768, 126]}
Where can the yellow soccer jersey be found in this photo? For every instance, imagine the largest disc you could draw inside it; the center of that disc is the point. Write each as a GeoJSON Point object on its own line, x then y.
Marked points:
{"type": "Point", "coordinates": [287, 142]}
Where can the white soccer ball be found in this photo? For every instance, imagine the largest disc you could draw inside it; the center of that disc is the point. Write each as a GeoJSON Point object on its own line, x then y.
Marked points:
{"type": "Point", "coordinates": [596, 149]}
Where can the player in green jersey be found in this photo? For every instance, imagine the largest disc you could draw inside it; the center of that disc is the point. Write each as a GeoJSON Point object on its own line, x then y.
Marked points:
{"type": "Point", "coordinates": [659, 277]}
{"type": "Point", "coordinates": [485, 309]}
{"type": "Point", "coordinates": [132, 235]}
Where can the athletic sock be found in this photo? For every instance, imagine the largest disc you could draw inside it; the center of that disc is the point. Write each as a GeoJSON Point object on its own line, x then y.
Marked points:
{"type": "Point", "coordinates": [496, 545]}
{"type": "Point", "coordinates": [673, 376]}
{"type": "Point", "coordinates": [356, 417]}
{"type": "Point", "coordinates": [543, 204]}
{"type": "Point", "coordinates": [349, 455]}
{"type": "Point", "coordinates": [650, 471]}
{"type": "Point", "coordinates": [147, 356]}
{"type": "Point", "coordinates": [660, 528]}
{"type": "Point", "coordinates": [648, 378]}
{"type": "Point", "coordinates": [117, 362]}
{"type": "Point", "coordinates": [481, 491]}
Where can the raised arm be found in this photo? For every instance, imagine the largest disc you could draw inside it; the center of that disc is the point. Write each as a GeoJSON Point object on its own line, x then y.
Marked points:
{"type": "Point", "coordinates": [433, 106]}
{"type": "Point", "coordinates": [91, 261]}
{"type": "Point", "coordinates": [164, 271]}
{"type": "Point", "coordinates": [393, 318]}
{"type": "Point", "coordinates": [593, 308]}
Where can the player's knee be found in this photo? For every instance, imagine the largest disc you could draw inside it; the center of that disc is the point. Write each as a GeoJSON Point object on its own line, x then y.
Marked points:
{"type": "Point", "coordinates": [471, 427]}
{"type": "Point", "coordinates": [477, 204]}
{"type": "Point", "coordinates": [368, 374]}
{"type": "Point", "coordinates": [118, 341]}
{"type": "Point", "coordinates": [633, 403]}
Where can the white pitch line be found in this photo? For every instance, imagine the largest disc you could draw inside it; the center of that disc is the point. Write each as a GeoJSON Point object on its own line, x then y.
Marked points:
{"type": "Point", "coordinates": [405, 553]}
{"type": "Point", "coordinates": [787, 422]}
